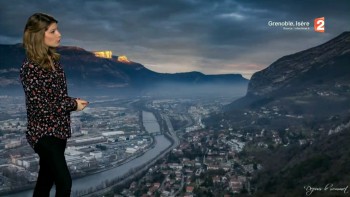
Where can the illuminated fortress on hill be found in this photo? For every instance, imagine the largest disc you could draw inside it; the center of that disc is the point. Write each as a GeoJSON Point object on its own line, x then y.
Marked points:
{"type": "Point", "coordinates": [108, 55]}
{"type": "Point", "coordinates": [103, 54]}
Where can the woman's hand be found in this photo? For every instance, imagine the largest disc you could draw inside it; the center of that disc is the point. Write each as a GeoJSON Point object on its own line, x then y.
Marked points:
{"type": "Point", "coordinates": [81, 104]}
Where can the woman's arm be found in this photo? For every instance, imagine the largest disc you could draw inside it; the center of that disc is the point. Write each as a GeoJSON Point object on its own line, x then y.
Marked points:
{"type": "Point", "coordinates": [81, 104]}
{"type": "Point", "coordinates": [42, 98]}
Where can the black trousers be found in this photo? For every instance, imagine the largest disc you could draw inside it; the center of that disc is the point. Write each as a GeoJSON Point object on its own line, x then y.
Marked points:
{"type": "Point", "coordinates": [53, 168]}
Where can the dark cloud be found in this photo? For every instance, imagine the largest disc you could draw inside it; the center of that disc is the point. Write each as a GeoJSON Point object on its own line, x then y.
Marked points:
{"type": "Point", "coordinates": [220, 36]}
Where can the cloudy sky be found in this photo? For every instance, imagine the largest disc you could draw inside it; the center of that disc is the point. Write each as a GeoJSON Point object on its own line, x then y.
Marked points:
{"type": "Point", "coordinates": [210, 36]}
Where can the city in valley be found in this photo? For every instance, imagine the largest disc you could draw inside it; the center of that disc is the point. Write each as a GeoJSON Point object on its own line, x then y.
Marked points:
{"type": "Point", "coordinates": [113, 132]}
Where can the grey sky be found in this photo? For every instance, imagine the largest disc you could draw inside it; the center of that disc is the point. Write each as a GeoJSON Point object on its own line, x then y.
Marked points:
{"type": "Point", "coordinates": [222, 36]}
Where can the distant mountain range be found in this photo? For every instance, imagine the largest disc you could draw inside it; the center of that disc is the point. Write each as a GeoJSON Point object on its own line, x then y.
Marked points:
{"type": "Point", "coordinates": [87, 72]}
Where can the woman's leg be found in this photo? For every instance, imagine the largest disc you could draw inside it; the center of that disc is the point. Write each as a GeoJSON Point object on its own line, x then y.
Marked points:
{"type": "Point", "coordinates": [53, 164]}
{"type": "Point", "coordinates": [62, 178]}
{"type": "Point", "coordinates": [45, 180]}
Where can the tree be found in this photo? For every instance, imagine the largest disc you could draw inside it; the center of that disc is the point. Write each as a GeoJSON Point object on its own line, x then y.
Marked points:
{"type": "Point", "coordinates": [208, 182]}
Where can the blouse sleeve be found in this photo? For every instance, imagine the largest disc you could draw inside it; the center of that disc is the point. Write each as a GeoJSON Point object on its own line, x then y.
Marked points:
{"type": "Point", "coordinates": [44, 99]}
{"type": "Point", "coordinates": [69, 102]}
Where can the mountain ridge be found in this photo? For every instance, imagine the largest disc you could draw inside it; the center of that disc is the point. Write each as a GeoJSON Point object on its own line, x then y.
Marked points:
{"type": "Point", "coordinates": [300, 73]}
{"type": "Point", "coordinates": [292, 112]}
{"type": "Point", "coordinates": [83, 69]}
{"type": "Point", "coordinates": [266, 80]}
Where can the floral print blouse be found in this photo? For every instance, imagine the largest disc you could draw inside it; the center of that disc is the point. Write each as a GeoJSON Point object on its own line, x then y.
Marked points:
{"type": "Point", "coordinates": [48, 104]}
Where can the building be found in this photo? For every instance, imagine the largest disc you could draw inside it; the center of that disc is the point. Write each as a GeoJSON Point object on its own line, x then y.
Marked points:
{"type": "Point", "coordinates": [103, 54]}
{"type": "Point", "coordinates": [96, 154]}
{"type": "Point", "coordinates": [13, 144]}
{"type": "Point", "coordinates": [112, 133]}
{"type": "Point", "coordinates": [131, 150]}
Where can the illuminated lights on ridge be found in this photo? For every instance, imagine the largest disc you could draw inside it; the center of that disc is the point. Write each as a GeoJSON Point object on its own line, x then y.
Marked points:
{"type": "Point", "coordinates": [103, 54]}
{"type": "Point", "coordinates": [123, 58]}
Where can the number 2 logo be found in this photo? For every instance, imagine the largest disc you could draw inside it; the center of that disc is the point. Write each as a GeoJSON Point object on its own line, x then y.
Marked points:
{"type": "Point", "coordinates": [319, 24]}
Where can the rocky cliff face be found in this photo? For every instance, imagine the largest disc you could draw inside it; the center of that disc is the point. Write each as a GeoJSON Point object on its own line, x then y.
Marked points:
{"type": "Point", "coordinates": [296, 116]}
{"type": "Point", "coordinates": [303, 84]}
{"type": "Point", "coordinates": [311, 90]}
{"type": "Point", "coordinates": [331, 57]}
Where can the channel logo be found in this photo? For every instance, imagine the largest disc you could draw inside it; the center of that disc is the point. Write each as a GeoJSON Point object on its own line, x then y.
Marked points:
{"type": "Point", "coordinates": [319, 24]}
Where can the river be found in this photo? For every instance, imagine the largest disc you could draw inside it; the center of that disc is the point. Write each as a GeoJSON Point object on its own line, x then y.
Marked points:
{"type": "Point", "coordinates": [84, 183]}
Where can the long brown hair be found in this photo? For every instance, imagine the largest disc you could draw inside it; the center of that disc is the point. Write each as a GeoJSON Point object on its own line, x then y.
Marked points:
{"type": "Point", "coordinates": [33, 40]}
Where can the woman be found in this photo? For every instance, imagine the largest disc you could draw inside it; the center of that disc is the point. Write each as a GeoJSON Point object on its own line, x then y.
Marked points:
{"type": "Point", "coordinates": [47, 102]}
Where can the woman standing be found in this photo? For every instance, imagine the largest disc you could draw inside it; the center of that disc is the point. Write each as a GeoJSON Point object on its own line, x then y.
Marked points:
{"type": "Point", "coordinates": [48, 104]}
